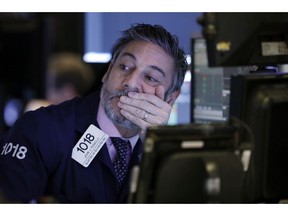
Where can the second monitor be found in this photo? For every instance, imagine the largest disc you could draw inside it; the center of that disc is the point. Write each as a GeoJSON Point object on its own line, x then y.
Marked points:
{"type": "Point", "coordinates": [210, 86]}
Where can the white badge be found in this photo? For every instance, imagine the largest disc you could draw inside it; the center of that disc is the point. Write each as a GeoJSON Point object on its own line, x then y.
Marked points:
{"type": "Point", "coordinates": [89, 145]}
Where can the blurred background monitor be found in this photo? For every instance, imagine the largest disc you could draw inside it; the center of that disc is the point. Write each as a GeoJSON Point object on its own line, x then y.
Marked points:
{"type": "Point", "coordinates": [180, 113]}
{"type": "Point", "coordinates": [261, 102]}
{"type": "Point", "coordinates": [237, 39]}
{"type": "Point", "coordinates": [210, 86]}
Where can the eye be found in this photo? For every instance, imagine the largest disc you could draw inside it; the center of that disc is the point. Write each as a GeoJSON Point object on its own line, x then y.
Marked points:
{"type": "Point", "coordinates": [151, 79]}
{"type": "Point", "coordinates": [124, 67]}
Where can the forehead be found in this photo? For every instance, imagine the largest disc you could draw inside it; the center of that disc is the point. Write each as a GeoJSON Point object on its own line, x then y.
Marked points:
{"type": "Point", "coordinates": [149, 53]}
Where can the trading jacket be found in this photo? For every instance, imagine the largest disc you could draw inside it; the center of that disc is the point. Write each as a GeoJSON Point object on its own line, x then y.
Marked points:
{"type": "Point", "coordinates": [35, 157]}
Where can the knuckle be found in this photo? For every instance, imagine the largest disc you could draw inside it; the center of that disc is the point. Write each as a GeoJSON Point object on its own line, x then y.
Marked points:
{"type": "Point", "coordinates": [143, 103]}
{"type": "Point", "coordinates": [139, 112]}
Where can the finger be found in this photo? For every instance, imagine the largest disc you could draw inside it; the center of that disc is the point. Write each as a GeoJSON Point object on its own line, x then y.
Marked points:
{"type": "Point", "coordinates": [151, 98]}
{"type": "Point", "coordinates": [140, 107]}
{"type": "Point", "coordinates": [136, 120]}
{"type": "Point", "coordinates": [145, 115]}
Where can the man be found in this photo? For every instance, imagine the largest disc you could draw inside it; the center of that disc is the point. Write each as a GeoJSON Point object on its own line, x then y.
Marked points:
{"type": "Point", "coordinates": [68, 76]}
{"type": "Point", "coordinates": [50, 151]}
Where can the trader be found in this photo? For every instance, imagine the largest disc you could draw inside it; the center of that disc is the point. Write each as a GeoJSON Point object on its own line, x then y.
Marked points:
{"type": "Point", "coordinates": [67, 152]}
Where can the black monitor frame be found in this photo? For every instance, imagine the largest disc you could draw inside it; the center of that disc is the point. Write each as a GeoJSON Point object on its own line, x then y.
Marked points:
{"type": "Point", "coordinates": [196, 163]}
{"type": "Point", "coordinates": [235, 39]}
{"type": "Point", "coordinates": [261, 102]}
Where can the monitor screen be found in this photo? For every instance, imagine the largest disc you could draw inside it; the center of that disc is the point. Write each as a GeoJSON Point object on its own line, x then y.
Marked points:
{"type": "Point", "coordinates": [261, 102]}
{"type": "Point", "coordinates": [180, 113]}
{"type": "Point", "coordinates": [210, 85]}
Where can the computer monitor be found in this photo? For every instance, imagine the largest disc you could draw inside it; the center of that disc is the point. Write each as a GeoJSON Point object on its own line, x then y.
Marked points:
{"type": "Point", "coordinates": [180, 113]}
{"type": "Point", "coordinates": [261, 102]}
{"type": "Point", "coordinates": [237, 39]}
{"type": "Point", "coordinates": [194, 163]}
{"type": "Point", "coordinates": [210, 86]}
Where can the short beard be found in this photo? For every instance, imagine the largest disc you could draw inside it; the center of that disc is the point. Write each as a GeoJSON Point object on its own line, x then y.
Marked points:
{"type": "Point", "coordinates": [112, 114]}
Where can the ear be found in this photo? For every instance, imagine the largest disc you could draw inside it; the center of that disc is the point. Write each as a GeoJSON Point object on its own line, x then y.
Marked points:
{"type": "Point", "coordinates": [171, 98]}
{"type": "Point", "coordinates": [106, 75]}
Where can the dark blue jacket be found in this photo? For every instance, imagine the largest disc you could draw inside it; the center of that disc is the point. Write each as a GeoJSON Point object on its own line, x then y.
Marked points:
{"type": "Point", "coordinates": [35, 157]}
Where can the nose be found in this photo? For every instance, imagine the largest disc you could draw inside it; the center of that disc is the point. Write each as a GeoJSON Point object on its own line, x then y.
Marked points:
{"type": "Point", "coordinates": [133, 82]}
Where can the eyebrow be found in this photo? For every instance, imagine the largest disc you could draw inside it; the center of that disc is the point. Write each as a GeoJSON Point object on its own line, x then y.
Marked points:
{"type": "Point", "coordinates": [151, 66]}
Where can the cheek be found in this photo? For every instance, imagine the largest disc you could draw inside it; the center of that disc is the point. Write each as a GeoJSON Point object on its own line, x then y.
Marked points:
{"type": "Point", "coordinates": [113, 82]}
{"type": "Point", "coordinates": [148, 89]}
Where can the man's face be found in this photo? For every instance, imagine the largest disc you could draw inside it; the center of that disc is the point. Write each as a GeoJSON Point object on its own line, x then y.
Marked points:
{"type": "Point", "coordinates": [140, 67]}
